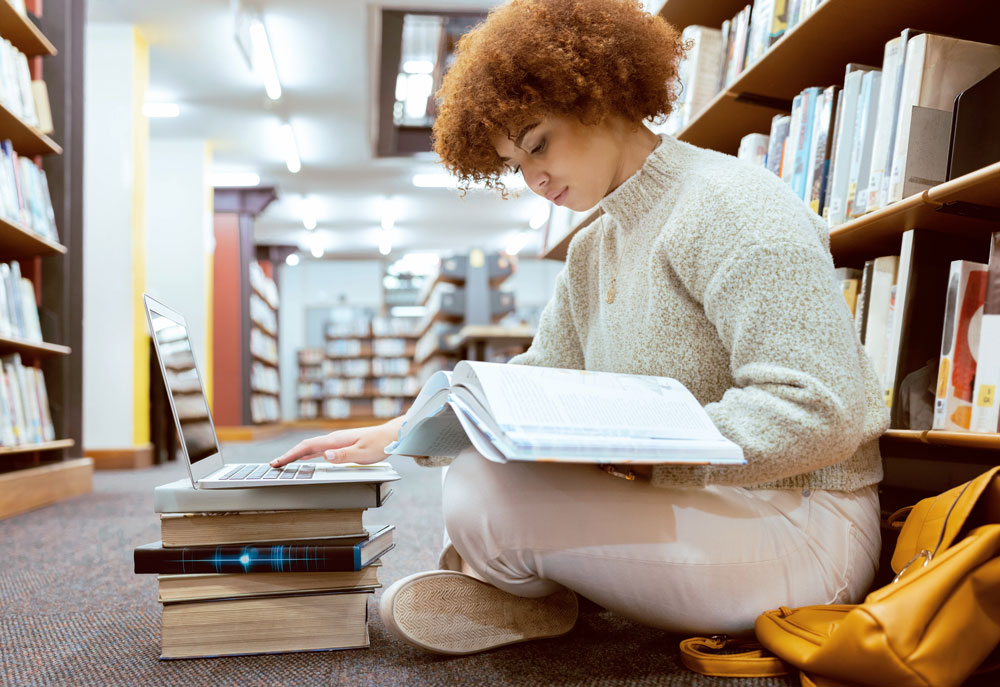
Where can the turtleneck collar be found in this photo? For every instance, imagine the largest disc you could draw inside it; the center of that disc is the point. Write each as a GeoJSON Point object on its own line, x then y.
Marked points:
{"type": "Point", "coordinates": [638, 195]}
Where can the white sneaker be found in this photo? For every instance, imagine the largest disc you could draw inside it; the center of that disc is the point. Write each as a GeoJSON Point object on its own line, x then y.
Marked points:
{"type": "Point", "coordinates": [447, 612]}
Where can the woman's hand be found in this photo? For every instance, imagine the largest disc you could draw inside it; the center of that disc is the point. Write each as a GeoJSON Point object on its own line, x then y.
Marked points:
{"type": "Point", "coordinates": [364, 445]}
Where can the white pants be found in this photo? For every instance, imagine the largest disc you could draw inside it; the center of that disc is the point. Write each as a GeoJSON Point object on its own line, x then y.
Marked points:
{"type": "Point", "coordinates": [689, 560]}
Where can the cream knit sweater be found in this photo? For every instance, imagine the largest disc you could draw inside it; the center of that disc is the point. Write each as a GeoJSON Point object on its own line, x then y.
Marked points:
{"type": "Point", "coordinates": [726, 284]}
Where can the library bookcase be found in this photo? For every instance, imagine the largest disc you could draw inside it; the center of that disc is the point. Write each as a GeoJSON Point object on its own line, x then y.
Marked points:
{"type": "Point", "coordinates": [39, 474]}
{"type": "Point", "coordinates": [814, 53]}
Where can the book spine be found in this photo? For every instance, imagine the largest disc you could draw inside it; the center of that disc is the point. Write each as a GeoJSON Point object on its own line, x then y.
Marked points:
{"type": "Point", "coordinates": [957, 367]}
{"type": "Point", "coordinates": [247, 559]}
{"type": "Point", "coordinates": [986, 408]}
{"type": "Point", "coordinates": [858, 198]}
{"type": "Point", "coordinates": [892, 72]}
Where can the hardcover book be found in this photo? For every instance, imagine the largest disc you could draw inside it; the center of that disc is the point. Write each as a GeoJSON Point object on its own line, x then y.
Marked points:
{"type": "Point", "coordinates": [174, 588]}
{"type": "Point", "coordinates": [986, 407]}
{"type": "Point", "coordinates": [330, 555]}
{"type": "Point", "coordinates": [193, 529]}
{"type": "Point", "coordinates": [237, 627]}
{"type": "Point", "coordinates": [535, 414]}
{"type": "Point", "coordinates": [957, 369]}
{"type": "Point", "coordinates": [180, 497]}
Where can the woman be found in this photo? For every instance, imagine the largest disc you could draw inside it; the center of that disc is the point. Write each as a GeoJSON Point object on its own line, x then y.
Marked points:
{"type": "Point", "coordinates": [702, 268]}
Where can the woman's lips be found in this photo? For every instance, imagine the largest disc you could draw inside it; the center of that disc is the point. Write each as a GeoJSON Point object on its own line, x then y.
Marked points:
{"type": "Point", "coordinates": [562, 195]}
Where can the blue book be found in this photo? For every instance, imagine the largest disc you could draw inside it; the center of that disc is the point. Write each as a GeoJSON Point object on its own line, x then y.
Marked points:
{"type": "Point", "coordinates": [809, 97]}
{"type": "Point", "coordinates": [335, 554]}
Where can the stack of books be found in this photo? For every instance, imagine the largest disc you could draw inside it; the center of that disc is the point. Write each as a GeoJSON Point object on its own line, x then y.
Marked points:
{"type": "Point", "coordinates": [265, 570]}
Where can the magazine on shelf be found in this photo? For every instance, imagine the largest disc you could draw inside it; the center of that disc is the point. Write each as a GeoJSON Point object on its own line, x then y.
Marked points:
{"type": "Point", "coordinates": [540, 414]}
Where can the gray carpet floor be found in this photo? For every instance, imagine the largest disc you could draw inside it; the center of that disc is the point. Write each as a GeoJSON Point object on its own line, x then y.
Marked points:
{"type": "Point", "coordinates": [73, 613]}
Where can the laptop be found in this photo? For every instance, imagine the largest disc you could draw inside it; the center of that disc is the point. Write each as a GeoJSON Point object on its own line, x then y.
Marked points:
{"type": "Point", "coordinates": [206, 465]}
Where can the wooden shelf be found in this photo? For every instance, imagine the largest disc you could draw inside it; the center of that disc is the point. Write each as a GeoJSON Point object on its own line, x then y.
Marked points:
{"type": "Point", "coordinates": [683, 13]}
{"type": "Point", "coordinates": [363, 337]}
{"type": "Point", "coordinates": [491, 333]}
{"type": "Point", "coordinates": [254, 289]}
{"type": "Point", "coordinates": [878, 233]}
{"type": "Point", "coordinates": [814, 53]}
{"type": "Point", "coordinates": [942, 438]}
{"type": "Point", "coordinates": [261, 392]}
{"type": "Point", "coordinates": [27, 140]}
{"type": "Point", "coordinates": [267, 361]}
{"type": "Point", "coordinates": [37, 349]}
{"type": "Point", "coordinates": [31, 448]}
{"type": "Point", "coordinates": [23, 490]}
{"type": "Point", "coordinates": [262, 328]}
{"type": "Point", "coordinates": [18, 242]}
{"type": "Point", "coordinates": [23, 33]}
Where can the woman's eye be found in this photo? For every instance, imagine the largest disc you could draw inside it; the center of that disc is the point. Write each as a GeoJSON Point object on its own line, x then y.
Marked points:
{"type": "Point", "coordinates": [539, 148]}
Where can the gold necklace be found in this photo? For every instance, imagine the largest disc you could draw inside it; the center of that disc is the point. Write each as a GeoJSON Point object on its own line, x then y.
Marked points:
{"type": "Point", "coordinates": [612, 292]}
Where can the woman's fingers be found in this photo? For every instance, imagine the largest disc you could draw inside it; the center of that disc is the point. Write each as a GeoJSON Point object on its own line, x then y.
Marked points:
{"type": "Point", "coordinates": [315, 446]}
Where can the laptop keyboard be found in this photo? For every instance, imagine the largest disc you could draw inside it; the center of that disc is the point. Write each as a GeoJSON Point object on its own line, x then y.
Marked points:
{"type": "Point", "coordinates": [263, 471]}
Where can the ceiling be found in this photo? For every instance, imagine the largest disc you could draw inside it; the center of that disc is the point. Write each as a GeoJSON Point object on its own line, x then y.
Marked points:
{"type": "Point", "coordinates": [326, 53]}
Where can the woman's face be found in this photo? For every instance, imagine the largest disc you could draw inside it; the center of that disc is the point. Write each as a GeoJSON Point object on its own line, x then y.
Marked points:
{"type": "Point", "coordinates": [569, 163]}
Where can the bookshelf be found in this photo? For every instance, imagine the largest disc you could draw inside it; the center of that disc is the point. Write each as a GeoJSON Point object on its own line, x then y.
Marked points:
{"type": "Point", "coordinates": [363, 374]}
{"type": "Point", "coordinates": [814, 52]}
{"type": "Point", "coordinates": [40, 473]}
{"type": "Point", "coordinates": [264, 382]}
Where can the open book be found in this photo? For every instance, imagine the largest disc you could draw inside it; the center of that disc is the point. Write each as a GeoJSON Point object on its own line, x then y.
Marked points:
{"type": "Point", "coordinates": [527, 413]}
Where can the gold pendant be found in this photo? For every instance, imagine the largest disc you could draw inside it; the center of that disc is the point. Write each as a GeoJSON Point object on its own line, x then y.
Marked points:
{"type": "Point", "coordinates": [611, 292]}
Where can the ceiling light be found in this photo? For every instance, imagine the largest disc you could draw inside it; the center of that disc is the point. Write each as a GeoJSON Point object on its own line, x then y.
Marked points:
{"type": "Point", "coordinates": [156, 110]}
{"type": "Point", "coordinates": [309, 213]}
{"type": "Point", "coordinates": [291, 151]}
{"type": "Point", "coordinates": [384, 241]}
{"type": "Point", "coordinates": [292, 260]}
{"type": "Point", "coordinates": [234, 179]}
{"type": "Point", "coordinates": [316, 250]}
{"type": "Point", "coordinates": [540, 216]}
{"type": "Point", "coordinates": [263, 59]}
{"type": "Point", "coordinates": [389, 210]}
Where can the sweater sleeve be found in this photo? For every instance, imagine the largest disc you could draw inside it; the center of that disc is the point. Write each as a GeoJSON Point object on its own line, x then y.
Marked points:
{"type": "Point", "coordinates": [800, 393]}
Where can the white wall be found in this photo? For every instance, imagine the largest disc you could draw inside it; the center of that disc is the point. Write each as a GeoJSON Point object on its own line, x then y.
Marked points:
{"type": "Point", "coordinates": [107, 231]}
{"type": "Point", "coordinates": [180, 234]}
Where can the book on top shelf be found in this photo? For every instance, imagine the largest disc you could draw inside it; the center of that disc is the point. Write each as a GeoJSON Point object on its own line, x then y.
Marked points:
{"type": "Point", "coordinates": [986, 407]}
{"type": "Point", "coordinates": [936, 69]}
{"type": "Point", "coordinates": [539, 414]}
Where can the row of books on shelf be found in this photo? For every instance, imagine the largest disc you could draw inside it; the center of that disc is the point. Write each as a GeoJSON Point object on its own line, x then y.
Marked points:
{"type": "Point", "coordinates": [264, 408]}
{"type": "Point", "coordinates": [371, 327]}
{"type": "Point", "coordinates": [385, 348]}
{"type": "Point", "coordinates": [27, 99]}
{"type": "Point", "coordinates": [263, 285]}
{"type": "Point", "coordinates": [341, 408]}
{"type": "Point", "coordinates": [356, 367]}
{"type": "Point", "coordinates": [359, 386]}
{"type": "Point", "coordinates": [929, 318]}
{"type": "Point", "coordinates": [24, 194]}
{"type": "Point", "coordinates": [263, 345]}
{"type": "Point", "coordinates": [719, 55]}
{"type": "Point", "coordinates": [264, 378]}
{"type": "Point", "coordinates": [262, 315]}
{"type": "Point", "coordinates": [18, 309]}
{"type": "Point", "coordinates": [25, 416]}
{"type": "Point", "coordinates": [297, 561]}
{"type": "Point", "coordinates": [847, 151]}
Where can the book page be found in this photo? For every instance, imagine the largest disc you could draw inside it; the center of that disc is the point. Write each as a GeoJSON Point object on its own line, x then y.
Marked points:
{"type": "Point", "coordinates": [577, 402]}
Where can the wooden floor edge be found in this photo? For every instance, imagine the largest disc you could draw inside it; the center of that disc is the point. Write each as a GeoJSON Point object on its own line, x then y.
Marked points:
{"type": "Point", "coordinates": [25, 490]}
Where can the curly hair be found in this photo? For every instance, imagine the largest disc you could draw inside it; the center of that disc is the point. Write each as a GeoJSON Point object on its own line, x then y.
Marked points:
{"type": "Point", "coordinates": [532, 58]}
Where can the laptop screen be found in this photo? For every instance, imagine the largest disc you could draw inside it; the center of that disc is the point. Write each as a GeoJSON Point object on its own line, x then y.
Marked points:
{"type": "Point", "coordinates": [183, 383]}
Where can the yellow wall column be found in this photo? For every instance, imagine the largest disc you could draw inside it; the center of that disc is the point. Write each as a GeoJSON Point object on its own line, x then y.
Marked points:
{"type": "Point", "coordinates": [140, 165]}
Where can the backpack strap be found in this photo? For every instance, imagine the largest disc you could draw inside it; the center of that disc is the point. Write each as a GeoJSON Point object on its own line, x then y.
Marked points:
{"type": "Point", "coordinates": [711, 656]}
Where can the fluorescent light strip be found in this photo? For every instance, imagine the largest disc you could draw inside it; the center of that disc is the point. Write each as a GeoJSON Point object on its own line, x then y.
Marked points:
{"type": "Point", "coordinates": [157, 110]}
{"type": "Point", "coordinates": [235, 179]}
{"type": "Point", "coordinates": [263, 59]}
{"type": "Point", "coordinates": [291, 151]}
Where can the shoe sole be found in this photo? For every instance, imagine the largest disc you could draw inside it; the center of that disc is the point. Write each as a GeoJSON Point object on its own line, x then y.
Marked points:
{"type": "Point", "coordinates": [453, 613]}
